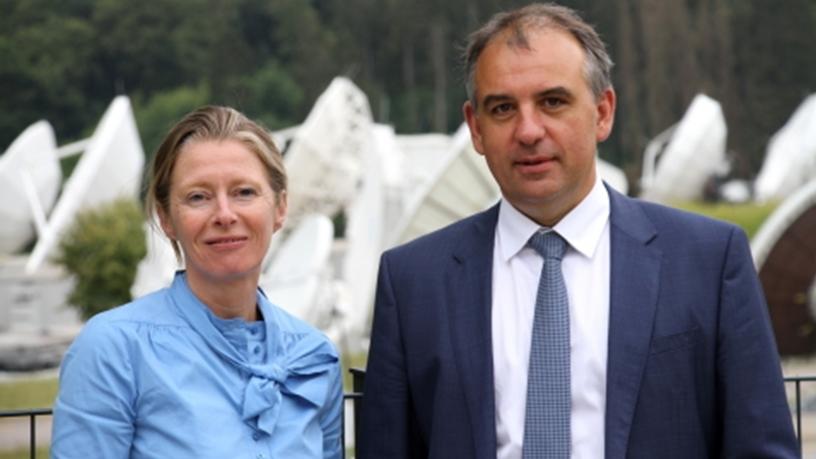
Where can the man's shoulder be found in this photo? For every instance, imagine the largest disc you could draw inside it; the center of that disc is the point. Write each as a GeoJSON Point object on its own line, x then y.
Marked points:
{"type": "Point", "coordinates": [671, 223]}
{"type": "Point", "coordinates": [666, 216]}
{"type": "Point", "coordinates": [447, 239]}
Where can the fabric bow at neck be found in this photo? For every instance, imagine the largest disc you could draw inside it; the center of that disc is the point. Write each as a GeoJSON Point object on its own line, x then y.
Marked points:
{"type": "Point", "coordinates": [293, 364]}
{"type": "Point", "coordinates": [297, 377]}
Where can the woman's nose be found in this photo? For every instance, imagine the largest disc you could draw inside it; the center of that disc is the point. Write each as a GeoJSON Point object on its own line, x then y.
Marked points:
{"type": "Point", "coordinates": [224, 214]}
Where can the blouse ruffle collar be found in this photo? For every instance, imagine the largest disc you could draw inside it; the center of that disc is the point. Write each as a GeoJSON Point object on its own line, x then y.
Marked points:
{"type": "Point", "coordinates": [295, 359]}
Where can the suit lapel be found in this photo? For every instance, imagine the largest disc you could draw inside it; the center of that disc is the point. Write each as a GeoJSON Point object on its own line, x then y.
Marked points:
{"type": "Point", "coordinates": [469, 301]}
{"type": "Point", "coordinates": [634, 284]}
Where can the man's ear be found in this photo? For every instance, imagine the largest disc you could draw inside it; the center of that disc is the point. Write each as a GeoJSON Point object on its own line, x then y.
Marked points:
{"type": "Point", "coordinates": [606, 114]}
{"type": "Point", "coordinates": [469, 112]}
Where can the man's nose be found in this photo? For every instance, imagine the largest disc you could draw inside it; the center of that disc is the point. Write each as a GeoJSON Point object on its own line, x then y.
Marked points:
{"type": "Point", "coordinates": [530, 126]}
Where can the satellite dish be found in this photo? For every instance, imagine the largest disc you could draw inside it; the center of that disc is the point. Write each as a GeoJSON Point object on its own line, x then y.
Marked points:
{"type": "Point", "coordinates": [298, 274]}
{"type": "Point", "coordinates": [790, 160]}
{"type": "Point", "coordinates": [324, 157]}
{"type": "Point", "coordinates": [157, 268]}
{"type": "Point", "coordinates": [679, 161]}
{"type": "Point", "coordinates": [110, 168]}
{"type": "Point", "coordinates": [29, 181]}
{"type": "Point", "coordinates": [421, 153]}
{"type": "Point", "coordinates": [612, 175]}
{"type": "Point", "coordinates": [784, 251]}
{"type": "Point", "coordinates": [460, 185]}
{"type": "Point", "coordinates": [283, 137]}
{"type": "Point", "coordinates": [366, 232]}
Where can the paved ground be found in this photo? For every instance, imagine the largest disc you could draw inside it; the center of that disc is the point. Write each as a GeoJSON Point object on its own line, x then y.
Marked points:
{"type": "Point", "coordinates": [14, 433]}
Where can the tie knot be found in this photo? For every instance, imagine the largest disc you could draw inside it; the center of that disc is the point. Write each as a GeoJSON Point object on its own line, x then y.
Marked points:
{"type": "Point", "coordinates": [549, 244]}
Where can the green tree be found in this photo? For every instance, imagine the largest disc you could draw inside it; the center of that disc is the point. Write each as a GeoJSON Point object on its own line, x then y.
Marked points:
{"type": "Point", "coordinates": [44, 57]}
{"type": "Point", "coordinates": [102, 249]}
{"type": "Point", "coordinates": [64, 61]}
{"type": "Point", "coordinates": [157, 115]}
{"type": "Point", "coordinates": [269, 95]}
{"type": "Point", "coordinates": [147, 47]}
{"type": "Point", "coordinates": [773, 70]}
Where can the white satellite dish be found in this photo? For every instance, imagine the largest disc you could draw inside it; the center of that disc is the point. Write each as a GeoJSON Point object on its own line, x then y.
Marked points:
{"type": "Point", "coordinates": [612, 175]}
{"type": "Point", "coordinates": [460, 186]}
{"type": "Point", "coordinates": [157, 268]}
{"type": "Point", "coordinates": [366, 232]}
{"type": "Point", "coordinates": [679, 161]}
{"type": "Point", "coordinates": [110, 168]}
{"type": "Point", "coordinates": [790, 160]}
{"type": "Point", "coordinates": [283, 137]}
{"type": "Point", "coordinates": [29, 182]}
{"type": "Point", "coordinates": [299, 272]}
{"type": "Point", "coordinates": [421, 153]}
{"type": "Point", "coordinates": [324, 156]}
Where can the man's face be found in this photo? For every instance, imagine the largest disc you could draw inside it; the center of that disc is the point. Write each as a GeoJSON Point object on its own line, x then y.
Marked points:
{"type": "Point", "coordinates": [537, 122]}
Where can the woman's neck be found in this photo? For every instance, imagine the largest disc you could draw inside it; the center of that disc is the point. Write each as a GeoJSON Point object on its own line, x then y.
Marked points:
{"type": "Point", "coordinates": [227, 299]}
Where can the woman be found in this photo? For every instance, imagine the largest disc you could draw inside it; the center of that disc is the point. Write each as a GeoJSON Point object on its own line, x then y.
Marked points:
{"type": "Point", "coordinates": [209, 367]}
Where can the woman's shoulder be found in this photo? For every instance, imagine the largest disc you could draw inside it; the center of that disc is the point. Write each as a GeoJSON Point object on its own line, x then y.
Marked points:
{"type": "Point", "coordinates": [294, 329]}
{"type": "Point", "coordinates": [152, 310]}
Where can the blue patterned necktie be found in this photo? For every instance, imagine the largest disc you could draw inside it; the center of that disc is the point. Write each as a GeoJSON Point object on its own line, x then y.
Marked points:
{"type": "Point", "coordinates": [547, 416]}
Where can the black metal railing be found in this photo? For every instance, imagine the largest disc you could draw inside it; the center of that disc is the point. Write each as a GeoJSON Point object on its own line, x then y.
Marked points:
{"type": "Point", "coordinates": [31, 414]}
{"type": "Point", "coordinates": [355, 398]}
{"type": "Point", "coordinates": [797, 404]}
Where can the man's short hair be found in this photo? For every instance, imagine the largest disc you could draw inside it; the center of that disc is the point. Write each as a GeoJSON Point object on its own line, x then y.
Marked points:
{"type": "Point", "coordinates": [518, 23]}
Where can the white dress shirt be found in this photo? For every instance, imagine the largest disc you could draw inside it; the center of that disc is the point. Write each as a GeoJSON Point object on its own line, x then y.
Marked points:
{"type": "Point", "coordinates": [516, 271]}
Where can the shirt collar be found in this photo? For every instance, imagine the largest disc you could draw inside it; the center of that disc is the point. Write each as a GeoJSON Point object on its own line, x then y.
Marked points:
{"type": "Point", "coordinates": [582, 227]}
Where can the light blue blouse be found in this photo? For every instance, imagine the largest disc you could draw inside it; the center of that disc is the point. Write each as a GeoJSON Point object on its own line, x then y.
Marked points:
{"type": "Point", "coordinates": [164, 377]}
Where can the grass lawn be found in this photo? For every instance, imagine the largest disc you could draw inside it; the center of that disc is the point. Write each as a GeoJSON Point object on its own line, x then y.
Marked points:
{"type": "Point", "coordinates": [42, 453]}
{"type": "Point", "coordinates": [749, 216]}
{"type": "Point", "coordinates": [21, 394]}
{"type": "Point", "coordinates": [351, 361]}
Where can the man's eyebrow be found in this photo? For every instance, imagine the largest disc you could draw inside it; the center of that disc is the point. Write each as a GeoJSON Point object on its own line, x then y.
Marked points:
{"type": "Point", "coordinates": [556, 91]}
{"type": "Point", "coordinates": [494, 98]}
{"type": "Point", "coordinates": [559, 91]}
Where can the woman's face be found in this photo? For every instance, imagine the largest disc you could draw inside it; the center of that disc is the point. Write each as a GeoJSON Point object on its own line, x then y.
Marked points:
{"type": "Point", "coordinates": [222, 211]}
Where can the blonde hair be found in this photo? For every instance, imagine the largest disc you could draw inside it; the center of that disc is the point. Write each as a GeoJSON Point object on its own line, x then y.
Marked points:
{"type": "Point", "coordinates": [217, 123]}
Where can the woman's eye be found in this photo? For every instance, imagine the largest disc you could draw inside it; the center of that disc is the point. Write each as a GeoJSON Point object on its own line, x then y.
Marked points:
{"type": "Point", "coordinates": [195, 198]}
{"type": "Point", "coordinates": [246, 193]}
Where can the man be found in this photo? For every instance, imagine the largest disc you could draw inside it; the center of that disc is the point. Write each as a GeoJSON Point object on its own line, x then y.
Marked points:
{"type": "Point", "coordinates": [663, 348]}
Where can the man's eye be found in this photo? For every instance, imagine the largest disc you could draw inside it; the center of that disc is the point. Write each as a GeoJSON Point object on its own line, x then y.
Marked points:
{"type": "Point", "coordinates": [553, 102]}
{"type": "Point", "coordinates": [502, 109]}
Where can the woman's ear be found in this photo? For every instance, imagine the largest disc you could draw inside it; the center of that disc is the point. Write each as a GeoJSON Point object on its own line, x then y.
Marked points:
{"type": "Point", "coordinates": [166, 224]}
{"type": "Point", "coordinates": [281, 207]}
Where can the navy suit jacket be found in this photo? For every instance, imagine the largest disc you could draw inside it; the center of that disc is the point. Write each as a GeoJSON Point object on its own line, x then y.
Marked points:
{"type": "Point", "coordinates": [692, 367]}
